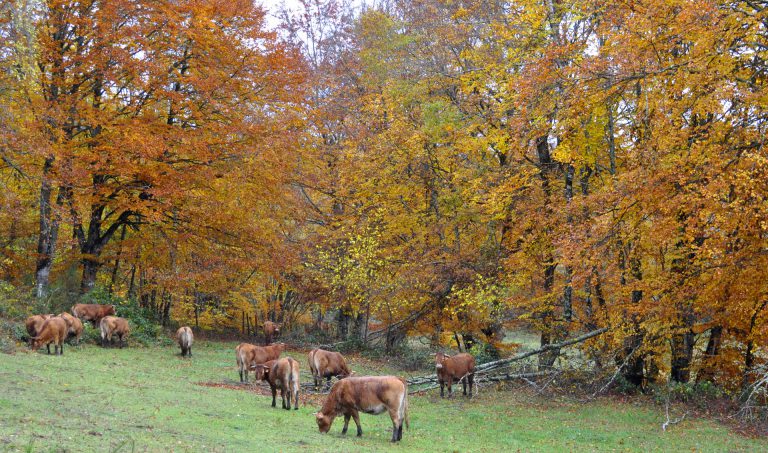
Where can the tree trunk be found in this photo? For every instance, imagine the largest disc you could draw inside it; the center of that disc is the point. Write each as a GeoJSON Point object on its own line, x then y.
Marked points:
{"type": "Point", "coordinates": [49, 230]}
{"type": "Point", "coordinates": [343, 322]}
{"type": "Point", "coordinates": [707, 370]}
{"type": "Point", "coordinates": [682, 354]}
{"type": "Point", "coordinates": [117, 261]}
{"type": "Point", "coordinates": [90, 270]}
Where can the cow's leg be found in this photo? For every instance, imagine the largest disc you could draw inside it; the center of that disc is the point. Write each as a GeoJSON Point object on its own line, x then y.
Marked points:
{"type": "Point", "coordinates": [189, 351]}
{"type": "Point", "coordinates": [471, 378]}
{"type": "Point", "coordinates": [240, 370]}
{"type": "Point", "coordinates": [296, 400]}
{"type": "Point", "coordinates": [274, 396]}
{"type": "Point", "coordinates": [48, 347]}
{"type": "Point", "coordinates": [442, 386]}
{"type": "Point", "coordinates": [356, 417]}
{"type": "Point", "coordinates": [464, 385]}
{"type": "Point", "coordinates": [61, 348]}
{"type": "Point", "coordinates": [395, 423]}
{"type": "Point", "coordinates": [450, 387]}
{"type": "Point", "coordinates": [328, 383]}
{"type": "Point", "coordinates": [346, 423]}
{"type": "Point", "coordinates": [285, 394]}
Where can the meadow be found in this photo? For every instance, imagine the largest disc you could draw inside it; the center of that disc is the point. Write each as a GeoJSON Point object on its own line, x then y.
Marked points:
{"type": "Point", "coordinates": [150, 399]}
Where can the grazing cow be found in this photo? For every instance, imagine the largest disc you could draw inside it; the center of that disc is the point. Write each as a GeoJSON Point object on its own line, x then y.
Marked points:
{"type": "Point", "coordinates": [326, 364]}
{"type": "Point", "coordinates": [460, 367]}
{"type": "Point", "coordinates": [283, 374]}
{"type": "Point", "coordinates": [33, 325]}
{"type": "Point", "coordinates": [93, 312]}
{"type": "Point", "coordinates": [370, 394]}
{"type": "Point", "coordinates": [271, 330]}
{"type": "Point", "coordinates": [53, 330]}
{"type": "Point", "coordinates": [248, 355]}
{"type": "Point", "coordinates": [112, 325]}
{"type": "Point", "coordinates": [74, 326]}
{"type": "Point", "coordinates": [184, 337]}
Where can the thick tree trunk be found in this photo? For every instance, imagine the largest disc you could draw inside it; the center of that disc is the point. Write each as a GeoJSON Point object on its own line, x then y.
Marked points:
{"type": "Point", "coordinates": [90, 271]}
{"type": "Point", "coordinates": [343, 324]}
{"type": "Point", "coordinates": [707, 371]}
{"type": "Point", "coordinates": [682, 355]}
{"type": "Point", "coordinates": [49, 230]}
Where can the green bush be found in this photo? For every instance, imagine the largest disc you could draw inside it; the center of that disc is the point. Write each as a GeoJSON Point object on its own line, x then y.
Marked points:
{"type": "Point", "coordinates": [144, 329]}
{"type": "Point", "coordinates": [484, 352]}
{"type": "Point", "coordinates": [689, 392]}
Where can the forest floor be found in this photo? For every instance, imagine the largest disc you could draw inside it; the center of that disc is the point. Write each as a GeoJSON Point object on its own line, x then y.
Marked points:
{"type": "Point", "coordinates": [150, 399]}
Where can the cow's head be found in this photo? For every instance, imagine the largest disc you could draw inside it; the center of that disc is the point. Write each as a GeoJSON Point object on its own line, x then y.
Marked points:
{"type": "Point", "coordinates": [261, 371]}
{"type": "Point", "coordinates": [323, 422]}
{"type": "Point", "coordinates": [35, 343]}
{"type": "Point", "coordinates": [440, 359]}
{"type": "Point", "coordinates": [346, 374]}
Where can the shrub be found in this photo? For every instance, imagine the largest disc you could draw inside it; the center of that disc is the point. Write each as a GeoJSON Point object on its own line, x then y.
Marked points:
{"type": "Point", "coordinates": [484, 352]}
{"type": "Point", "coordinates": [144, 329]}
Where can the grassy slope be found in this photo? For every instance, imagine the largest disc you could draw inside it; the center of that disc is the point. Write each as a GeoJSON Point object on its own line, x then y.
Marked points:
{"type": "Point", "coordinates": [97, 400]}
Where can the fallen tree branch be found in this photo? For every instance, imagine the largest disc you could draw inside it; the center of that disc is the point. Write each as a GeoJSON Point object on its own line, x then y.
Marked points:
{"type": "Point", "coordinates": [490, 366]}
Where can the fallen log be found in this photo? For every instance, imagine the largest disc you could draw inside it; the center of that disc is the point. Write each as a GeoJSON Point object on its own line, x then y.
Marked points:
{"type": "Point", "coordinates": [485, 368]}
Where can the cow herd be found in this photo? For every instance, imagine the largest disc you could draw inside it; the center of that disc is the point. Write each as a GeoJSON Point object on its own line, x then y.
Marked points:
{"type": "Point", "coordinates": [349, 396]}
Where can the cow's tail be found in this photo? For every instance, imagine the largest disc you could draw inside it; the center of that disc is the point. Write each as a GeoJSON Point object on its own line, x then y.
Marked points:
{"type": "Point", "coordinates": [240, 358]}
{"type": "Point", "coordinates": [293, 381]}
{"type": "Point", "coordinates": [403, 412]}
{"type": "Point", "coordinates": [103, 328]}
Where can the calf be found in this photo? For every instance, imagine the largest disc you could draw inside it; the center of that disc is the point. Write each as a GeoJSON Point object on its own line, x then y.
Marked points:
{"type": "Point", "coordinates": [33, 325]}
{"type": "Point", "coordinates": [112, 325]}
{"type": "Point", "coordinates": [248, 355]}
{"type": "Point", "coordinates": [271, 330]}
{"type": "Point", "coordinates": [326, 364]}
{"type": "Point", "coordinates": [74, 326]}
{"type": "Point", "coordinates": [460, 367]}
{"type": "Point", "coordinates": [93, 312]}
{"type": "Point", "coordinates": [283, 374]}
{"type": "Point", "coordinates": [184, 337]}
{"type": "Point", "coordinates": [53, 330]}
{"type": "Point", "coordinates": [370, 394]}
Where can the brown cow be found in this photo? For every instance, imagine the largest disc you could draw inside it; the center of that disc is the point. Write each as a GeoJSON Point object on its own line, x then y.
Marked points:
{"type": "Point", "coordinates": [271, 330]}
{"type": "Point", "coordinates": [33, 325]}
{"type": "Point", "coordinates": [53, 330]}
{"type": "Point", "coordinates": [326, 364]}
{"type": "Point", "coordinates": [74, 326]}
{"type": "Point", "coordinates": [185, 338]}
{"type": "Point", "coordinates": [248, 355]}
{"type": "Point", "coordinates": [93, 312]}
{"type": "Point", "coordinates": [460, 367]}
{"type": "Point", "coordinates": [370, 394]}
{"type": "Point", "coordinates": [112, 325]}
{"type": "Point", "coordinates": [283, 374]}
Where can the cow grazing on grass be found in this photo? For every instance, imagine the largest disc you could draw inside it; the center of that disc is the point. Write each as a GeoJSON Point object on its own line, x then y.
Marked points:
{"type": "Point", "coordinates": [281, 374]}
{"type": "Point", "coordinates": [93, 312]}
{"type": "Point", "coordinates": [326, 364]}
{"type": "Point", "coordinates": [184, 337]}
{"type": "Point", "coordinates": [460, 367]}
{"type": "Point", "coordinates": [114, 326]}
{"type": "Point", "coordinates": [53, 330]}
{"type": "Point", "coordinates": [271, 330]}
{"type": "Point", "coordinates": [370, 394]}
{"type": "Point", "coordinates": [249, 354]}
{"type": "Point", "coordinates": [33, 325]}
{"type": "Point", "coordinates": [74, 326]}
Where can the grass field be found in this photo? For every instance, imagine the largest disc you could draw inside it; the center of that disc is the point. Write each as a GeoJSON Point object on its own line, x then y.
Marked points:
{"type": "Point", "coordinates": [149, 399]}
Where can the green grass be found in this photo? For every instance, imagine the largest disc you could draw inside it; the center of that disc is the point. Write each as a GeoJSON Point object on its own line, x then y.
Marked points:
{"type": "Point", "coordinates": [94, 399]}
